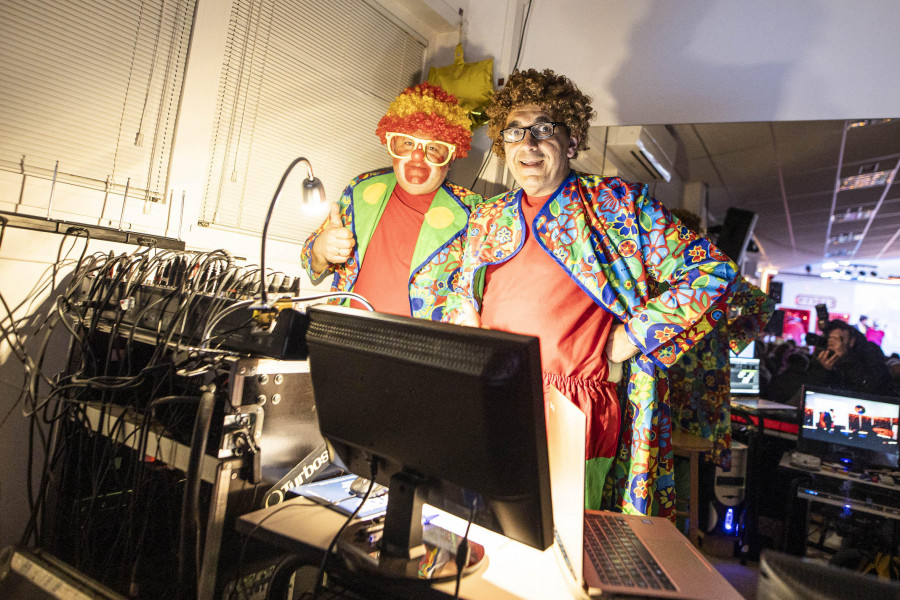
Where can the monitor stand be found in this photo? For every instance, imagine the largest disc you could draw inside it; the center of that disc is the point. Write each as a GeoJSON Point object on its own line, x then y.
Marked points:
{"type": "Point", "coordinates": [400, 547]}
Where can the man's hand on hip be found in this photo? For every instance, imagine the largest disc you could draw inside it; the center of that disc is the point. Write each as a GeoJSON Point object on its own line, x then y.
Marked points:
{"type": "Point", "coordinates": [618, 347]}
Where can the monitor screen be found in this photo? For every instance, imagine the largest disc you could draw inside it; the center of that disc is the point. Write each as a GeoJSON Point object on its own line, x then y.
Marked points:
{"type": "Point", "coordinates": [857, 430]}
{"type": "Point", "coordinates": [744, 376]}
{"type": "Point", "coordinates": [458, 411]}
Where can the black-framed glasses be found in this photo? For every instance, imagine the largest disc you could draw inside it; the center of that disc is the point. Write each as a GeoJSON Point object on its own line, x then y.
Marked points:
{"type": "Point", "coordinates": [539, 131]}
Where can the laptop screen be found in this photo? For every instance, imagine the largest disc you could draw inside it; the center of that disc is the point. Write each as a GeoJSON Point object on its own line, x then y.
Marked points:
{"type": "Point", "coordinates": [744, 376]}
{"type": "Point", "coordinates": [857, 430]}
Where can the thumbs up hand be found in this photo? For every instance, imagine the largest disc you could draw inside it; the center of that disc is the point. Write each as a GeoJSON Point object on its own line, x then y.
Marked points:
{"type": "Point", "coordinates": [334, 245]}
{"type": "Point", "coordinates": [334, 216]}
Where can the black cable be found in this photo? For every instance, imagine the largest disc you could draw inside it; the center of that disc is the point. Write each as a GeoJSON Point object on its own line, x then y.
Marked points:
{"type": "Point", "coordinates": [462, 550]}
{"type": "Point", "coordinates": [248, 536]}
{"type": "Point", "coordinates": [522, 37]}
{"type": "Point", "coordinates": [190, 527]}
{"type": "Point", "coordinates": [515, 67]}
{"type": "Point", "coordinates": [70, 231]}
{"type": "Point", "coordinates": [320, 574]}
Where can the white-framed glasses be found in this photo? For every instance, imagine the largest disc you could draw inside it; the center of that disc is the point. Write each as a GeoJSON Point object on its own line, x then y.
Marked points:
{"type": "Point", "coordinates": [539, 131]}
{"type": "Point", "coordinates": [437, 153]}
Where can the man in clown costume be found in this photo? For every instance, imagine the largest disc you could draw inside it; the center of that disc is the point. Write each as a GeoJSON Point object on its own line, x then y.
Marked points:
{"type": "Point", "coordinates": [395, 236]}
{"type": "Point", "coordinates": [574, 259]}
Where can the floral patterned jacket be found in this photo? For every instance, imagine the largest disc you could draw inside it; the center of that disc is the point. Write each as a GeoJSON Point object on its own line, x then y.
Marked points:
{"type": "Point", "coordinates": [615, 242]}
{"type": "Point", "coordinates": [436, 258]}
{"type": "Point", "coordinates": [700, 382]}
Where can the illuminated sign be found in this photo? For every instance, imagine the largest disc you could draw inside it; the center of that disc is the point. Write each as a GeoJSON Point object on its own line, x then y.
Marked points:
{"type": "Point", "coordinates": [808, 300]}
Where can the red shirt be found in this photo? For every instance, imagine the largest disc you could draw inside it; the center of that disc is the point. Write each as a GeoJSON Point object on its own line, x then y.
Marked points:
{"type": "Point", "coordinates": [532, 294]}
{"type": "Point", "coordinates": [384, 271]}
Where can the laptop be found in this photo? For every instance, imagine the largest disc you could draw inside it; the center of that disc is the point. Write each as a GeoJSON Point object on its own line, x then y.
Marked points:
{"type": "Point", "coordinates": [671, 556]}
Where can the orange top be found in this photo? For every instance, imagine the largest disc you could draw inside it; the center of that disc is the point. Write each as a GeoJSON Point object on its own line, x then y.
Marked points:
{"type": "Point", "coordinates": [533, 294]}
{"type": "Point", "coordinates": [384, 273]}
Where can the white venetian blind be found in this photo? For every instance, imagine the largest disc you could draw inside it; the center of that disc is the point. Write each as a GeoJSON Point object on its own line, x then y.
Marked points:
{"type": "Point", "coordinates": [90, 89]}
{"type": "Point", "coordinates": [302, 78]}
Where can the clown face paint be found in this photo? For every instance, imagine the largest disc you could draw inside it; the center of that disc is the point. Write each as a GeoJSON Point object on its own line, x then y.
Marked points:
{"type": "Point", "coordinates": [415, 175]}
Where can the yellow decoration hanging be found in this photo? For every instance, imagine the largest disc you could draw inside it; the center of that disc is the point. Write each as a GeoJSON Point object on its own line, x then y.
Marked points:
{"type": "Point", "coordinates": [471, 83]}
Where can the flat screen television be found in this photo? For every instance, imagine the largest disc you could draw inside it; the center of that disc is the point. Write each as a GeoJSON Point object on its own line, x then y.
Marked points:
{"type": "Point", "coordinates": [857, 430]}
{"type": "Point", "coordinates": [450, 415]}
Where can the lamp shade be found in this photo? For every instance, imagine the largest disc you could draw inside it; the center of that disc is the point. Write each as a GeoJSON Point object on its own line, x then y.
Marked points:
{"type": "Point", "coordinates": [313, 191]}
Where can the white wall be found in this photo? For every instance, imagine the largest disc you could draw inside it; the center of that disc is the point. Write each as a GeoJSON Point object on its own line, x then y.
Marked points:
{"type": "Point", "coordinates": [697, 61]}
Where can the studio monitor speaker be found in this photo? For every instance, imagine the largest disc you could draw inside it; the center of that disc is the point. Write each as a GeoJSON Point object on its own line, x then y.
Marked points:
{"type": "Point", "coordinates": [775, 326]}
{"type": "Point", "coordinates": [736, 232]}
{"type": "Point", "coordinates": [775, 289]}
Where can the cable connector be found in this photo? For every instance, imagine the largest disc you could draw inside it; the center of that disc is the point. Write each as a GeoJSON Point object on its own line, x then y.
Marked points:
{"type": "Point", "coordinates": [265, 316]}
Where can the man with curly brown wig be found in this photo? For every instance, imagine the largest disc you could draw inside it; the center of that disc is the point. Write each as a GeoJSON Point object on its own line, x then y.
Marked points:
{"type": "Point", "coordinates": [395, 237]}
{"type": "Point", "coordinates": [574, 259]}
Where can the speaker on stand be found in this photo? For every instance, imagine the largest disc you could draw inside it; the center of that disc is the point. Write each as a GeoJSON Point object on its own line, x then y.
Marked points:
{"type": "Point", "coordinates": [735, 233]}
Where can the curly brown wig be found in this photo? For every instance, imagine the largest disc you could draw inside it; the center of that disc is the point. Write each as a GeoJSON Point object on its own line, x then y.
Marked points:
{"type": "Point", "coordinates": [689, 219]}
{"type": "Point", "coordinates": [554, 94]}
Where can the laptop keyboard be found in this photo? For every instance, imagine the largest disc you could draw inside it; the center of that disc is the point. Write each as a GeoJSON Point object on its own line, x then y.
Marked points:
{"type": "Point", "coordinates": [619, 556]}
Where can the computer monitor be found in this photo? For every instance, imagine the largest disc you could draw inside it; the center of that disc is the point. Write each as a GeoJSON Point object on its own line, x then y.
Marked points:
{"type": "Point", "coordinates": [744, 376]}
{"type": "Point", "coordinates": [857, 430]}
{"type": "Point", "coordinates": [452, 416]}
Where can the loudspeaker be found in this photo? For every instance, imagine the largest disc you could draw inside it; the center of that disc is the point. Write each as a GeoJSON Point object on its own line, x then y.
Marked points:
{"type": "Point", "coordinates": [736, 232]}
{"type": "Point", "coordinates": [775, 326]}
{"type": "Point", "coordinates": [775, 289]}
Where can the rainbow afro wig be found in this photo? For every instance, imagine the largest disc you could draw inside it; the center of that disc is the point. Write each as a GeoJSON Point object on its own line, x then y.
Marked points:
{"type": "Point", "coordinates": [428, 108]}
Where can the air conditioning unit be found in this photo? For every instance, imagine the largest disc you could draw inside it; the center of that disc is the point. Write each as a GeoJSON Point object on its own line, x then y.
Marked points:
{"type": "Point", "coordinates": [595, 160]}
{"type": "Point", "coordinates": [646, 151]}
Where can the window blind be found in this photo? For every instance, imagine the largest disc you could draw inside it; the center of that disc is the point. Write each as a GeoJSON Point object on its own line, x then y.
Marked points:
{"type": "Point", "coordinates": [301, 78]}
{"type": "Point", "coordinates": [90, 92]}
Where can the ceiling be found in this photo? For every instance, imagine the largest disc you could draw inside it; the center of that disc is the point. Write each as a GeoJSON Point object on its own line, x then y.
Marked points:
{"type": "Point", "coordinates": [790, 174]}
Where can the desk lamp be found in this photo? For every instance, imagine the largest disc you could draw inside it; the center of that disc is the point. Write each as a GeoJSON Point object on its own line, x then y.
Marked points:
{"type": "Point", "coordinates": [313, 194]}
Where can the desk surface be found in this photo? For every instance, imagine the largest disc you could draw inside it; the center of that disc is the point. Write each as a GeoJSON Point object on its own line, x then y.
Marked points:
{"type": "Point", "coordinates": [513, 570]}
{"type": "Point", "coordinates": [760, 405]}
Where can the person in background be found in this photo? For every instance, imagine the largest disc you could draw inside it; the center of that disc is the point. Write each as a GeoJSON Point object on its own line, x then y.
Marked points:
{"type": "Point", "coordinates": [700, 383]}
{"type": "Point", "coordinates": [395, 235]}
{"type": "Point", "coordinates": [828, 419]}
{"type": "Point", "coordinates": [863, 324]}
{"type": "Point", "coordinates": [572, 258]}
{"type": "Point", "coordinates": [848, 362]}
{"type": "Point", "coordinates": [893, 367]}
{"type": "Point", "coordinates": [875, 334]}
{"type": "Point", "coordinates": [785, 387]}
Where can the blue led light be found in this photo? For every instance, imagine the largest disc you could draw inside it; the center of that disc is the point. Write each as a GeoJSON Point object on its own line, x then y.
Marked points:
{"type": "Point", "coordinates": [729, 519]}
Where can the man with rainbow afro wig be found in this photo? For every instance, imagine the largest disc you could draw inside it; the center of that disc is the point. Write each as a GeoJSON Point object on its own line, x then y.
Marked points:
{"type": "Point", "coordinates": [395, 236]}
